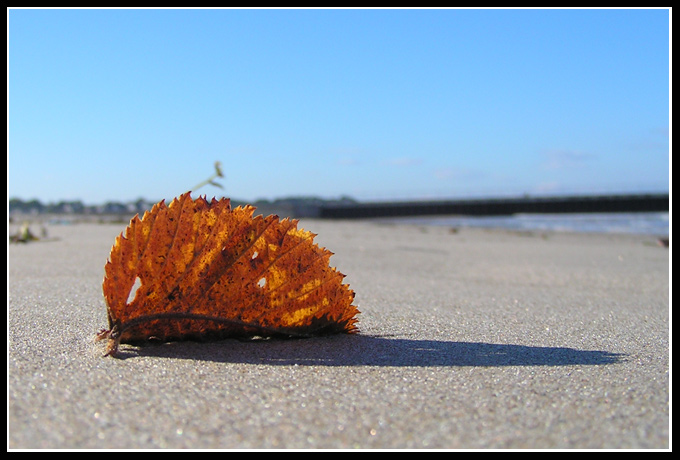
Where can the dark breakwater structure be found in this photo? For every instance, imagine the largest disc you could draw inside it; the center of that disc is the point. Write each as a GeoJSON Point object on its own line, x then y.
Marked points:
{"type": "Point", "coordinates": [500, 206]}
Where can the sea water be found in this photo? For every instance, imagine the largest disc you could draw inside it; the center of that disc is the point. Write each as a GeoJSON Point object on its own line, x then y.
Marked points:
{"type": "Point", "coordinates": [644, 223]}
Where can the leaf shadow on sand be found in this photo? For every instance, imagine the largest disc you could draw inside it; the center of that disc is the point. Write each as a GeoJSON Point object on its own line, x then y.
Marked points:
{"type": "Point", "coordinates": [367, 350]}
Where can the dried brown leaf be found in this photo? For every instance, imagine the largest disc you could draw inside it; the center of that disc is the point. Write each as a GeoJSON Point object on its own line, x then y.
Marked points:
{"type": "Point", "coordinates": [206, 271]}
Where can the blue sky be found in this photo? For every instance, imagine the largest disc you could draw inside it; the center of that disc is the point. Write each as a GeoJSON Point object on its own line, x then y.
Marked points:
{"type": "Point", "coordinates": [374, 104]}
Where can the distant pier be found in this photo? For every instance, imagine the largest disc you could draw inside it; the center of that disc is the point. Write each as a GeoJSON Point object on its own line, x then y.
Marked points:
{"type": "Point", "coordinates": [500, 206]}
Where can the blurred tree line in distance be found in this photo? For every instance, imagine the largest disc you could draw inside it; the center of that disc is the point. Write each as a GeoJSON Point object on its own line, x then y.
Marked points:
{"type": "Point", "coordinates": [284, 207]}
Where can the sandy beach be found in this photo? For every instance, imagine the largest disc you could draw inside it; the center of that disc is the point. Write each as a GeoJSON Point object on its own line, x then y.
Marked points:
{"type": "Point", "coordinates": [469, 339]}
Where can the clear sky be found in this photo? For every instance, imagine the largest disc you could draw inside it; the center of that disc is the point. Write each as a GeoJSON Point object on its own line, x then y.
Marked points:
{"type": "Point", "coordinates": [374, 104]}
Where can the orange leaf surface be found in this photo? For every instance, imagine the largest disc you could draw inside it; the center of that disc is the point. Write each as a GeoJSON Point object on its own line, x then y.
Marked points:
{"type": "Point", "coordinates": [205, 271]}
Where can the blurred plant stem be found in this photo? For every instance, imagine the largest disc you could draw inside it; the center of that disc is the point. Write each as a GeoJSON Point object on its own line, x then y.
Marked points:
{"type": "Point", "coordinates": [211, 180]}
